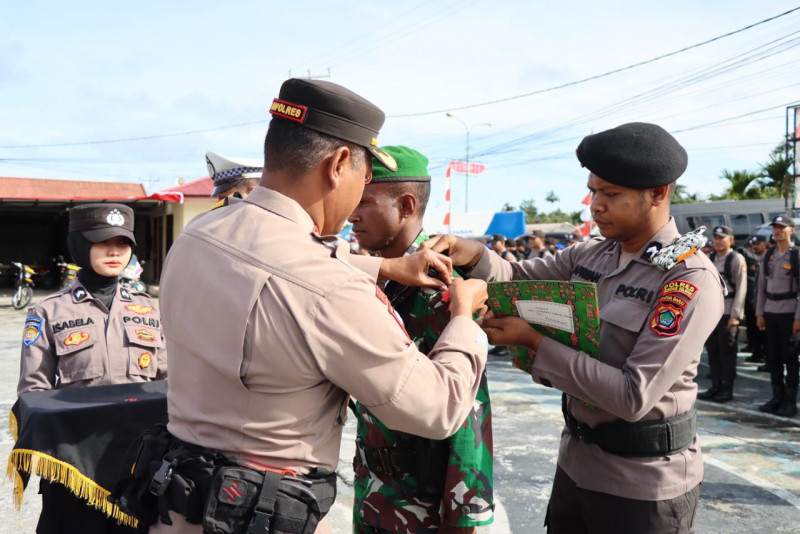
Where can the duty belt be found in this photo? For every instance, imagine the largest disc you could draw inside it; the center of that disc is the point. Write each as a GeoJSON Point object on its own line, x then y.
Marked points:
{"type": "Point", "coordinates": [389, 461]}
{"type": "Point", "coordinates": [639, 439]}
{"type": "Point", "coordinates": [782, 296]}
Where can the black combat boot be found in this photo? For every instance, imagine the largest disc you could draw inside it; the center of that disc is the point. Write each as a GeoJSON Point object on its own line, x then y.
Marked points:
{"type": "Point", "coordinates": [725, 394]}
{"type": "Point", "coordinates": [788, 407]}
{"type": "Point", "coordinates": [710, 393]}
{"type": "Point", "coordinates": [772, 405]}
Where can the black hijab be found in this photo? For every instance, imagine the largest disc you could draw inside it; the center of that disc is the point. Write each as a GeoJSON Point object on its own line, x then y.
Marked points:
{"type": "Point", "coordinates": [102, 288]}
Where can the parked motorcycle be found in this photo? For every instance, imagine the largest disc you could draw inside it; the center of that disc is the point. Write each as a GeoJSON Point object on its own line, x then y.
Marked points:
{"type": "Point", "coordinates": [130, 276]}
{"type": "Point", "coordinates": [24, 292]}
{"type": "Point", "coordinates": [69, 272]}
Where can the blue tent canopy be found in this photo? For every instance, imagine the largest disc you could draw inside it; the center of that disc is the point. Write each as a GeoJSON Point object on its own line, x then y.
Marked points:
{"type": "Point", "coordinates": [509, 223]}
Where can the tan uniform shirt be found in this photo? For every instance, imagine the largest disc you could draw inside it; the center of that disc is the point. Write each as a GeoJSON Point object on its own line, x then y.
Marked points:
{"type": "Point", "coordinates": [646, 367]}
{"type": "Point", "coordinates": [269, 328]}
{"type": "Point", "coordinates": [734, 303]}
{"type": "Point", "coordinates": [780, 280]}
{"type": "Point", "coordinates": [71, 340]}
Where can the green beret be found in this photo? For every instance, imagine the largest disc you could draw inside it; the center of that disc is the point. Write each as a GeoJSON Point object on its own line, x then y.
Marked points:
{"type": "Point", "coordinates": [636, 155]}
{"type": "Point", "coordinates": [411, 166]}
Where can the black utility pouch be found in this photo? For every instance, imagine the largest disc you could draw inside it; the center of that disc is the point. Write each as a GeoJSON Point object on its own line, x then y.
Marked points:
{"type": "Point", "coordinates": [132, 492]}
{"type": "Point", "coordinates": [431, 467]}
{"type": "Point", "coordinates": [243, 500]}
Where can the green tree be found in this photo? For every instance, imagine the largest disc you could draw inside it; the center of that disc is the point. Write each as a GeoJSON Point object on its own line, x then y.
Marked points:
{"type": "Point", "coordinates": [508, 207]}
{"type": "Point", "coordinates": [743, 185]}
{"type": "Point", "coordinates": [775, 172]}
{"type": "Point", "coordinates": [682, 195]}
{"type": "Point", "coordinates": [551, 197]}
{"type": "Point", "coordinates": [531, 213]}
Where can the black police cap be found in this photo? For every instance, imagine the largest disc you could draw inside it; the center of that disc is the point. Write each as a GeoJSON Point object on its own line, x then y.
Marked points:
{"type": "Point", "coordinates": [99, 222]}
{"type": "Point", "coordinates": [638, 155]}
{"type": "Point", "coordinates": [331, 109]}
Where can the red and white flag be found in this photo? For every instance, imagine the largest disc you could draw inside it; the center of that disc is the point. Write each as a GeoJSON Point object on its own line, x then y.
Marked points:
{"type": "Point", "coordinates": [461, 167]}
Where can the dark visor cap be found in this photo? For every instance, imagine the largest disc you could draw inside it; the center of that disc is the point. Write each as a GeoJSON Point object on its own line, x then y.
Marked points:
{"type": "Point", "coordinates": [99, 222]}
{"type": "Point", "coordinates": [331, 109]}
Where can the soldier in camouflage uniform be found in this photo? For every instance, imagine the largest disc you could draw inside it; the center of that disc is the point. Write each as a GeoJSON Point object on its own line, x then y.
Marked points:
{"type": "Point", "coordinates": [405, 483]}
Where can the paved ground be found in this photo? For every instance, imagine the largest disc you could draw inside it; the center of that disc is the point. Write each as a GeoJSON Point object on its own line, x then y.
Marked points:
{"type": "Point", "coordinates": [752, 460]}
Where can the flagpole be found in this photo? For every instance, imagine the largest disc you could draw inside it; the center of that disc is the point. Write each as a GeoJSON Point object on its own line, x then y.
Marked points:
{"type": "Point", "coordinates": [466, 179]}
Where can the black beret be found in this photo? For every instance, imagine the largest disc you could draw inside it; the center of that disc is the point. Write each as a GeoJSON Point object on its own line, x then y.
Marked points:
{"type": "Point", "coordinates": [638, 155]}
{"type": "Point", "coordinates": [334, 110]}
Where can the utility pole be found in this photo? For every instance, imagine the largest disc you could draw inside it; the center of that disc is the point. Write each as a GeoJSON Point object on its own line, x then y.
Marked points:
{"type": "Point", "coordinates": [466, 178]}
{"type": "Point", "coordinates": [308, 75]}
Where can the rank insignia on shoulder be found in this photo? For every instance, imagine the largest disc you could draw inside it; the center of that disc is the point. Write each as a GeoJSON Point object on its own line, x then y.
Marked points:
{"type": "Point", "coordinates": [79, 294]}
{"type": "Point", "coordinates": [32, 332]}
{"type": "Point", "coordinates": [124, 294]}
{"type": "Point", "coordinates": [680, 249]}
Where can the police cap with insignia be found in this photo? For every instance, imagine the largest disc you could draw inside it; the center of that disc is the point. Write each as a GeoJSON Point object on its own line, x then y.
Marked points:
{"type": "Point", "coordinates": [412, 166]}
{"type": "Point", "coordinates": [723, 231]}
{"type": "Point", "coordinates": [757, 239]}
{"type": "Point", "coordinates": [783, 220]}
{"type": "Point", "coordinates": [638, 155]}
{"type": "Point", "coordinates": [226, 172]}
{"type": "Point", "coordinates": [331, 109]}
{"type": "Point", "coordinates": [99, 222]}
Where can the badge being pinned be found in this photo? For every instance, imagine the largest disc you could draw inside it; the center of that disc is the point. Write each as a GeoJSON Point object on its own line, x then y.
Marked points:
{"type": "Point", "coordinates": [144, 360]}
{"type": "Point", "coordinates": [32, 332]}
{"type": "Point", "coordinates": [680, 249]}
{"type": "Point", "coordinates": [76, 338]}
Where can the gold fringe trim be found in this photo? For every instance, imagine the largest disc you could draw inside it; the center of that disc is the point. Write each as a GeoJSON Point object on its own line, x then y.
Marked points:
{"type": "Point", "coordinates": [13, 427]}
{"type": "Point", "coordinates": [54, 470]}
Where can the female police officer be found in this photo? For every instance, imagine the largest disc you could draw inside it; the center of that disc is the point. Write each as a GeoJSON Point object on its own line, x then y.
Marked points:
{"type": "Point", "coordinates": [92, 333]}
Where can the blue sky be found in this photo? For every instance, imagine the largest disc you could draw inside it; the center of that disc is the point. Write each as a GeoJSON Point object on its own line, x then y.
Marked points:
{"type": "Point", "coordinates": [82, 72]}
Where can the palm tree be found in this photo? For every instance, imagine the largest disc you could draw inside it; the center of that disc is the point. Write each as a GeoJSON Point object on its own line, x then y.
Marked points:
{"type": "Point", "coordinates": [775, 173]}
{"type": "Point", "coordinates": [743, 185]}
{"type": "Point", "coordinates": [681, 195]}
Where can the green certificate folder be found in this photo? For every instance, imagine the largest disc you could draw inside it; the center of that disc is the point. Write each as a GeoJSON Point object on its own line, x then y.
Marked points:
{"type": "Point", "coordinates": [565, 311]}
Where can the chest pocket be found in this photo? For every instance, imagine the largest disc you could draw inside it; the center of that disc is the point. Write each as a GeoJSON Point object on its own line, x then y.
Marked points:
{"type": "Point", "coordinates": [144, 344]}
{"type": "Point", "coordinates": [621, 322]}
{"type": "Point", "coordinates": [80, 354]}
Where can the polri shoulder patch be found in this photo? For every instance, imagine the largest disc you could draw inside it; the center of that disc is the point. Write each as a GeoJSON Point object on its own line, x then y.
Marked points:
{"type": "Point", "coordinates": [32, 331]}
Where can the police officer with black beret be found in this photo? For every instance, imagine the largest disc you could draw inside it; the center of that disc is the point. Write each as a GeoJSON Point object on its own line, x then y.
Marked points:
{"type": "Point", "coordinates": [629, 460]}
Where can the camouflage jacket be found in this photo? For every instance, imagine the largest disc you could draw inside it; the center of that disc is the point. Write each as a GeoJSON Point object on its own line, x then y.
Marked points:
{"type": "Point", "coordinates": [386, 504]}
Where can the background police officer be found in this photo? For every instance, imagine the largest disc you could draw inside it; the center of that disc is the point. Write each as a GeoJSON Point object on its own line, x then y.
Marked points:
{"type": "Point", "coordinates": [92, 333]}
{"type": "Point", "coordinates": [608, 478]}
{"type": "Point", "coordinates": [723, 343]}
{"type": "Point", "coordinates": [778, 314]}
{"type": "Point", "coordinates": [233, 176]}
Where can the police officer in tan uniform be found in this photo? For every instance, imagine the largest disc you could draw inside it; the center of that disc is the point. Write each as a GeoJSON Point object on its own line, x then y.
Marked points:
{"type": "Point", "coordinates": [631, 463]}
{"type": "Point", "coordinates": [91, 334]}
{"type": "Point", "coordinates": [286, 325]}
{"type": "Point", "coordinates": [723, 343]}
{"type": "Point", "coordinates": [778, 315]}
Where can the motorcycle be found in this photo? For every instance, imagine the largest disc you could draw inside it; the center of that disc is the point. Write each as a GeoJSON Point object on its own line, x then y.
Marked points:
{"type": "Point", "coordinates": [24, 292]}
{"type": "Point", "coordinates": [130, 276]}
{"type": "Point", "coordinates": [69, 272]}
